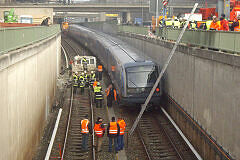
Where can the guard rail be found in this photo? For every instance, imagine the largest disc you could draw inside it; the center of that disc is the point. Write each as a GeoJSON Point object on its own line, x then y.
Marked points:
{"type": "Point", "coordinates": [13, 38]}
{"type": "Point", "coordinates": [220, 40]}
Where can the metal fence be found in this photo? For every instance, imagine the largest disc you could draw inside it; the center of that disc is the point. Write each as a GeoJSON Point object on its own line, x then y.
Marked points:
{"type": "Point", "coordinates": [13, 38]}
{"type": "Point", "coordinates": [226, 41]}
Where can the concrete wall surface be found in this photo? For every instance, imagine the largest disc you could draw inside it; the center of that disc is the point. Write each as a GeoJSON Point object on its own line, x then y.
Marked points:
{"type": "Point", "coordinates": [205, 83]}
{"type": "Point", "coordinates": [27, 89]}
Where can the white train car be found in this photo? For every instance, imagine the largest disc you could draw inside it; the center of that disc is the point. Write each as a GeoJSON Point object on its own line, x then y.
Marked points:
{"type": "Point", "coordinates": [84, 63]}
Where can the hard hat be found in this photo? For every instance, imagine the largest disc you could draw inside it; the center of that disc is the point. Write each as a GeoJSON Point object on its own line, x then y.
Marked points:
{"type": "Point", "coordinates": [98, 83]}
{"type": "Point", "coordinates": [91, 71]}
{"type": "Point", "coordinates": [85, 71]}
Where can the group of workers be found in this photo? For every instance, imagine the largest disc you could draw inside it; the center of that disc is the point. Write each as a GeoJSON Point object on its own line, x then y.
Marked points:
{"type": "Point", "coordinates": [212, 24]}
{"type": "Point", "coordinates": [115, 133]}
{"type": "Point", "coordinates": [83, 80]}
{"type": "Point", "coordinates": [115, 130]}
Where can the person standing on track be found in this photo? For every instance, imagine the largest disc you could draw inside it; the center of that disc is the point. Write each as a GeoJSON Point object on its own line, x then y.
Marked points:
{"type": "Point", "coordinates": [99, 132]}
{"type": "Point", "coordinates": [85, 130]}
{"type": "Point", "coordinates": [98, 95]}
{"type": "Point", "coordinates": [75, 83]}
{"type": "Point", "coordinates": [120, 139]}
{"type": "Point", "coordinates": [113, 130]}
{"type": "Point", "coordinates": [81, 83]}
{"type": "Point", "coordinates": [111, 95]}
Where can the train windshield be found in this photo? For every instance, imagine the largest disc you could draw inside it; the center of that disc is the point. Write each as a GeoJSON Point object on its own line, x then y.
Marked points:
{"type": "Point", "coordinates": [141, 76]}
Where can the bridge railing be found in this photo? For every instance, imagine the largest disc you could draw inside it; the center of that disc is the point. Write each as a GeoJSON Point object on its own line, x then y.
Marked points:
{"type": "Point", "coordinates": [220, 40]}
{"type": "Point", "coordinates": [13, 38]}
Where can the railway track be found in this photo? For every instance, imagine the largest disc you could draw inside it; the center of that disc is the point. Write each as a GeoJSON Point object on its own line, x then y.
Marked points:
{"type": "Point", "coordinates": [80, 106]}
{"type": "Point", "coordinates": [67, 144]}
{"type": "Point", "coordinates": [158, 137]}
{"type": "Point", "coordinates": [155, 138]}
{"type": "Point", "coordinates": [68, 140]}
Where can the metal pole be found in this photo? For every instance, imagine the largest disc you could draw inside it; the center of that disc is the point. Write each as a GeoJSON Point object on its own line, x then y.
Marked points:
{"type": "Point", "coordinates": [162, 72]}
{"type": "Point", "coordinates": [142, 11]}
{"type": "Point", "coordinates": [156, 14]}
{"type": "Point", "coordinates": [164, 14]}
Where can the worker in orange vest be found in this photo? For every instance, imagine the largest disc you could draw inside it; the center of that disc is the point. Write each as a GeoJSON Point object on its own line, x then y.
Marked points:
{"type": "Point", "coordinates": [223, 23]}
{"type": "Point", "coordinates": [94, 84]}
{"type": "Point", "coordinates": [113, 130]}
{"type": "Point", "coordinates": [100, 70]}
{"type": "Point", "coordinates": [111, 95]}
{"type": "Point", "coordinates": [215, 24]}
{"type": "Point", "coordinates": [120, 140]}
{"type": "Point", "coordinates": [99, 132]}
{"type": "Point", "coordinates": [85, 130]}
{"type": "Point", "coordinates": [236, 24]}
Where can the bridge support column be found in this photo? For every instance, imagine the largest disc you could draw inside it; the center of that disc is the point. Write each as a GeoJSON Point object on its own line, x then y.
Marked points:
{"type": "Point", "coordinates": [128, 17]}
{"type": "Point", "coordinates": [220, 7]}
{"type": "Point", "coordinates": [102, 16]}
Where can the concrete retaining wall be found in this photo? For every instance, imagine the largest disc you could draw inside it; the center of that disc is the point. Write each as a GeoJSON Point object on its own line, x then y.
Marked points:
{"type": "Point", "coordinates": [205, 83]}
{"type": "Point", "coordinates": [27, 89]}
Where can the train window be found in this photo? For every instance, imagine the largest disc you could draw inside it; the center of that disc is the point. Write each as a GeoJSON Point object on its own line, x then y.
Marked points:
{"type": "Point", "coordinates": [91, 61]}
{"type": "Point", "coordinates": [87, 61]}
{"type": "Point", "coordinates": [141, 76]}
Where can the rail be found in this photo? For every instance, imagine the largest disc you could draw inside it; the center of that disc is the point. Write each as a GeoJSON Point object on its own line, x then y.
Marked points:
{"type": "Point", "coordinates": [144, 144]}
{"type": "Point", "coordinates": [68, 125]}
{"type": "Point", "coordinates": [14, 38]}
{"type": "Point", "coordinates": [220, 40]}
{"type": "Point", "coordinates": [92, 117]}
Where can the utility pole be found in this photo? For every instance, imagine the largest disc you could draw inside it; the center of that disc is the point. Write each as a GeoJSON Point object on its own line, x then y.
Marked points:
{"type": "Point", "coordinates": [156, 14]}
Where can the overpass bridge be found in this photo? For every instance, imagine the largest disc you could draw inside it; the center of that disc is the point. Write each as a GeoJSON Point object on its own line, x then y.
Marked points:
{"type": "Point", "coordinates": [100, 7]}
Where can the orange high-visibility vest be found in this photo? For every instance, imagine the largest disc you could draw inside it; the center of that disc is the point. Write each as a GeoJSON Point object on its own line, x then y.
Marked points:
{"type": "Point", "coordinates": [237, 28]}
{"type": "Point", "coordinates": [122, 126]}
{"type": "Point", "coordinates": [214, 25]}
{"type": "Point", "coordinates": [100, 68]}
{"type": "Point", "coordinates": [94, 84]}
{"type": "Point", "coordinates": [98, 130]}
{"type": "Point", "coordinates": [113, 128]}
{"type": "Point", "coordinates": [114, 92]}
{"type": "Point", "coordinates": [113, 68]}
{"type": "Point", "coordinates": [84, 124]}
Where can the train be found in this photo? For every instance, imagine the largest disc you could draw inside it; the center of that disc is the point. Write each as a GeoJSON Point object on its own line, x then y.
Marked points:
{"type": "Point", "coordinates": [132, 75]}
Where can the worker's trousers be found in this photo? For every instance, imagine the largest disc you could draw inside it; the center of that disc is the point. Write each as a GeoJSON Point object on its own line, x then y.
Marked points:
{"type": "Point", "coordinates": [120, 141]}
{"type": "Point", "coordinates": [85, 141]}
{"type": "Point", "coordinates": [109, 101]}
{"type": "Point", "coordinates": [99, 143]}
{"type": "Point", "coordinates": [98, 103]}
{"type": "Point", "coordinates": [75, 89]}
{"type": "Point", "coordinates": [111, 139]}
{"type": "Point", "coordinates": [82, 90]}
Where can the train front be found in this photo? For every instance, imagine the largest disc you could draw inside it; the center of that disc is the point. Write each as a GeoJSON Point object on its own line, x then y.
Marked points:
{"type": "Point", "coordinates": [140, 79]}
